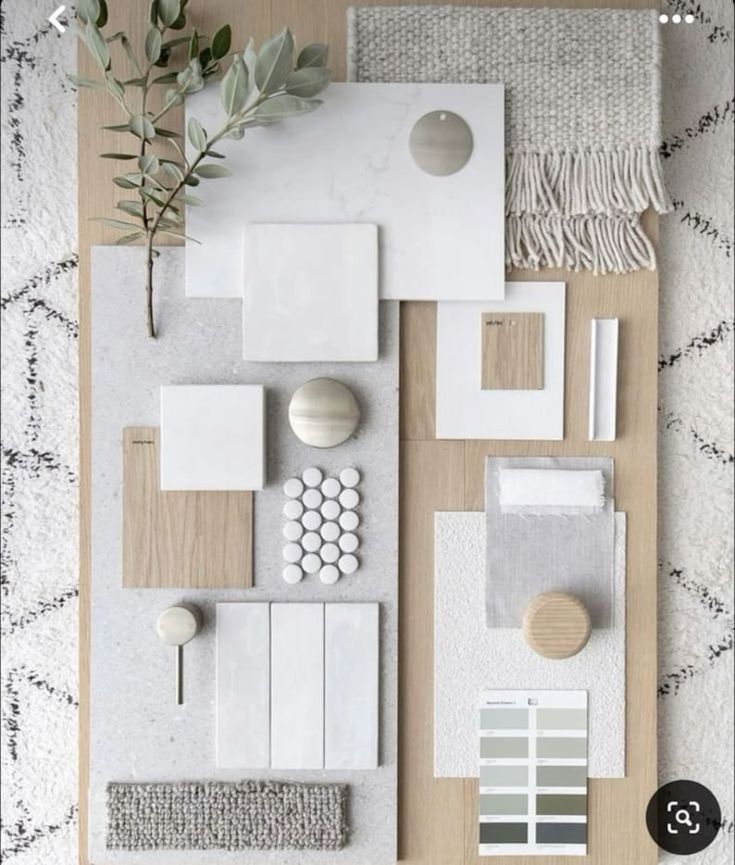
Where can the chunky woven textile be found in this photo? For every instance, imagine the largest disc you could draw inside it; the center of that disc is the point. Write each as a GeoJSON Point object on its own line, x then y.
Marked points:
{"type": "Point", "coordinates": [255, 815]}
{"type": "Point", "coordinates": [582, 124]}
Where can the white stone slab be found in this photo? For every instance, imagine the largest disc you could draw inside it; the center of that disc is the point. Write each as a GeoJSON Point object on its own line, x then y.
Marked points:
{"type": "Point", "coordinates": [463, 409]}
{"type": "Point", "coordinates": [440, 237]}
{"type": "Point", "coordinates": [212, 437]}
{"type": "Point", "coordinates": [310, 292]}
{"type": "Point", "coordinates": [603, 379]}
{"type": "Point", "coordinates": [243, 686]}
{"type": "Point", "coordinates": [351, 672]}
{"type": "Point", "coordinates": [470, 658]}
{"type": "Point", "coordinates": [297, 686]}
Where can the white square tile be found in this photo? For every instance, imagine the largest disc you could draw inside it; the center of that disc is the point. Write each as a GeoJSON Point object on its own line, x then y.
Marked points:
{"type": "Point", "coordinates": [463, 409]}
{"type": "Point", "coordinates": [351, 671]}
{"type": "Point", "coordinates": [349, 161]}
{"type": "Point", "coordinates": [212, 437]}
{"type": "Point", "coordinates": [297, 686]}
{"type": "Point", "coordinates": [310, 292]}
{"type": "Point", "coordinates": [243, 686]}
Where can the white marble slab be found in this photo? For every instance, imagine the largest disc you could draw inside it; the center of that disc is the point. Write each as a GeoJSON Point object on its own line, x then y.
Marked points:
{"type": "Point", "coordinates": [310, 293]}
{"type": "Point", "coordinates": [440, 237]}
{"type": "Point", "coordinates": [243, 686]}
{"type": "Point", "coordinates": [351, 674]}
{"type": "Point", "coordinates": [297, 686]}
{"type": "Point", "coordinates": [463, 409]}
{"type": "Point", "coordinates": [137, 731]}
{"type": "Point", "coordinates": [470, 658]}
{"type": "Point", "coordinates": [212, 437]}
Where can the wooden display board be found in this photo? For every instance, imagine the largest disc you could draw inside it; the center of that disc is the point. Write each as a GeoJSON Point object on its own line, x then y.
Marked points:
{"type": "Point", "coordinates": [438, 819]}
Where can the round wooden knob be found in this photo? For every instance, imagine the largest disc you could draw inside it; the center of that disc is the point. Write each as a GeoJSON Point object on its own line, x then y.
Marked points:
{"type": "Point", "coordinates": [556, 625]}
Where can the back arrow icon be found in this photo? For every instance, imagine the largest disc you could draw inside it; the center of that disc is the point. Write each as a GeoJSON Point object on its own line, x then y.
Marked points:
{"type": "Point", "coordinates": [54, 19]}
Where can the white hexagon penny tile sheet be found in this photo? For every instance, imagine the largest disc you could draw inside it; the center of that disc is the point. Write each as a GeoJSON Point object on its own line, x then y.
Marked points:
{"type": "Point", "coordinates": [321, 523]}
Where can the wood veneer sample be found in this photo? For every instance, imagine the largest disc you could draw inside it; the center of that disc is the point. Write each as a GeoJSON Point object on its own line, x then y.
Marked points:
{"type": "Point", "coordinates": [513, 351]}
{"type": "Point", "coordinates": [172, 539]}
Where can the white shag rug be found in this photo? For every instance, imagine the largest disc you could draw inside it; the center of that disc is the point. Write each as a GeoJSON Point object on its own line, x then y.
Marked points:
{"type": "Point", "coordinates": [39, 426]}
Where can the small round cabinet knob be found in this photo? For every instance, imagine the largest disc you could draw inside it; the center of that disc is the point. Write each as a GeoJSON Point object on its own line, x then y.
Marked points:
{"type": "Point", "coordinates": [323, 413]}
{"type": "Point", "coordinates": [556, 625]}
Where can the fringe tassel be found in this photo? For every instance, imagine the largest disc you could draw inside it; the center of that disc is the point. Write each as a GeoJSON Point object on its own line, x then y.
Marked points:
{"type": "Point", "coordinates": [610, 182]}
{"type": "Point", "coordinates": [600, 243]}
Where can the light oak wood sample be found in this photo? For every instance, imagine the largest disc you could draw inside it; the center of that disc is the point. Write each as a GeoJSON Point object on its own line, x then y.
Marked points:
{"type": "Point", "coordinates": [556, 625]}
{"type": "Point", "coordinates": [172, 539]}
{"type": "Point", "coordinates": [513, 351]}
{"type": "Point", "coordinates": [438, 819]}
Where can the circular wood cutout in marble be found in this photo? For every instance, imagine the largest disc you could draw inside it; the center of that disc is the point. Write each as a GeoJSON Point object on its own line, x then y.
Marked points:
{"type": "Point", "coordinates": [556, 625]}
{"type": "Point", "coordinates": [323, 413]}
{"type": "Point", "coordinates": [440, 143]}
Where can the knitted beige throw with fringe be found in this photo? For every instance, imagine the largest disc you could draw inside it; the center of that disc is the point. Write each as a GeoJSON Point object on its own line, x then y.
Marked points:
{"type": "Point", "coordinates": [582, 116]}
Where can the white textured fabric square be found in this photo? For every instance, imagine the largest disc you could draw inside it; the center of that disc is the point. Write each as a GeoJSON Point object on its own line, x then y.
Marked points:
{"type": "Point", "coordinates": [528, 553]}
{"type": "Point", "coordinates": [470, 658]}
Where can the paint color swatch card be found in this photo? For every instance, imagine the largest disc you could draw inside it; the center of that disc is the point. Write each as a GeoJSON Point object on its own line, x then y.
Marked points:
{"type": "Point", "coordinates": [533, 773]}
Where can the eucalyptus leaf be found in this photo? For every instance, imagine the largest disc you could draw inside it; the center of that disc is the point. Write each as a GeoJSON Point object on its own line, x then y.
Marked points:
{"type": "Point", "coordinates": [280, 107]}
{"type": "Point", "coordinates": [275, 61]}
{"type": "Point", "coordinates": [173, 170]}
{"type": "Point", "coordinates": [117, 127]}
{"type": "Point", "coordinates": [135, 208]}
{"type": "Point", "coordinates": [174, 43]}
{"type": "Point", "coordinates": [180, 22]}
{"type": "Point", "coordinates": [153, 42]}
{"type": "Point", "coordinates": [142, 127]}
{"type": "Point", "coordinates": [221, 42]}
{"type": "Point", "coordinates": [197, 134]}
{"type": "Point", "coordinates": [174, 97]}
{"type": "Point", "coordinates": [314, 55]}
{"type": "Point", "coordinates": [250, 58]}
{"type": "Point", "coordinates": [101, 19]}
{"type": "Point", "coordinates": [234, 88]}
{"type": "Point", "coordinates": [205, 57]}
{"type": "Point", "coordinates": [307, 82]}
{"type": "Point", "coordinates": [135, 82]}
{"type": "Point", "coordinates": [97, 46]}
{"type": "Point", "coordinates": [211, 170]}
{"type": "Point", "coordinates": [115, 223]}
{"type": "Point", "coordinates": [162, 61]}
{"type": "Point", "coordinates": [148, 163]}
{"type": "Point", "coordinates": [129, 238]}
{"type": "Point", "coordinates": [120, 156]}
{"type": "Point", "coordinates": [150, 194]}
{"type": "Point", "coordinates": [190, 79]}
{"type": "Point", "coordinates": [174, 233]}
{"type": "Point", "coordinates": [191, 200]}
{"type": "Point", "coordinates": [167, 133]}
{"type": "Point", "coordinates": [115, 87]}
{"type": "Point", "coordinates": [88, 10]}
{"type": "Point", "coordinates": [124, 183]}
{"type": "Point", "coordinates": [191, 180]}
{"type": "Point", "coordinates": [169, 11]}
{"type": "Point", "coordinates": [167, 78]}
{"type": "Point", "coordinates": [87, 82]}
{"type": "Point", "coordinates": [153, 13]}
{"type": "Point", "coordinates": [131, 54]}
{"type": "Point", "coordinates": [194, 45]}
{"type": "Point", "coordinates": [237, 133]}
{"type": "Point", "coordinates": [214, 154]}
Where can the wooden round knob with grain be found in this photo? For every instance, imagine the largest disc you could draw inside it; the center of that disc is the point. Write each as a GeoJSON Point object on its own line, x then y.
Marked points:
{"type": "Point", "coordinates": [556, 625]}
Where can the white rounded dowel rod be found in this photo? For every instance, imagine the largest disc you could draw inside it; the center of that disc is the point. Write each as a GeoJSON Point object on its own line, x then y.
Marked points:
{"type": "Point", "coordinates": [348, 564]}
{"type": "Point", "coordinates": [293, 509]}
{"type": "Point", "coordinates": [311, 563]}
{"type": "Point", "coordinates": [292, 574]}
{"type": "Point", "coordinates": [293, 488]}
{"type": "Point", "coordinates": [349, 499]}
{"type": "Point", "coordinates": [312, 477]}
{"type": "Point", "coordinates": [311, 542]}
{"type": "Point", "coordinates": [292, 531]}
{"type": "Point", "coordinates": [349, 521]}
{"type": "Point", "coordinates": [311, 520]}
{"type": "Point", "coordinates": [329, 553]}
{"type": "Point", "coordinates": [330, 532]}
{"type": "Point", "coordinates": [292, 553]}
{"type": "Point", "coordinates": [349, 477]}
{"type": "Point", "coordinates": [331, 509]}
{"type": "Point", "coordinates": [329, 575]}
{"type": "Point", "coordinates": [331, 488]}
{"type": "Point", "coordinates": [348, 543]}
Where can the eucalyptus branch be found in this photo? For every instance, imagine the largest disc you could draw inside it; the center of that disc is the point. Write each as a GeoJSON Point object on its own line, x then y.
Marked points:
{"type": "Point", "coordinates": [258, 89]}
